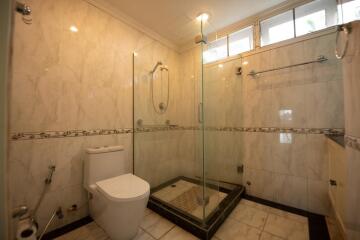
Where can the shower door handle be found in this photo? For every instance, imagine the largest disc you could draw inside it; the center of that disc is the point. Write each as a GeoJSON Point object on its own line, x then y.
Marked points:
{"type": "Point", "coordinates": [200, 113]}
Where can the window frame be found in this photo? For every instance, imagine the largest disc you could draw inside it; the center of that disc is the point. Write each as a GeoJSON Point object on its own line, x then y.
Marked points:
{"type": "Point", "coordinates": [252, 36]}
{"type": "Point", "coordinates": [255, 23]}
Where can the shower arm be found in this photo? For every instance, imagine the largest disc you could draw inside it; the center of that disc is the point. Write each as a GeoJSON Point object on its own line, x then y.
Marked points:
{"type": "Point", "coordinates": [156, 66]}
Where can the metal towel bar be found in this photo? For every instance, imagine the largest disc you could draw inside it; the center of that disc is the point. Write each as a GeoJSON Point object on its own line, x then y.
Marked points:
{"type": "Point", "coordinates": [320, 59]}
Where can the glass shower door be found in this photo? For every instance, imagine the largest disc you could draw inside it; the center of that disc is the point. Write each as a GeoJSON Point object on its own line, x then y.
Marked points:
{"type": "Point", "coordinates": [223, 149]}
{"type": "Point", "coordinates": [169, 131]}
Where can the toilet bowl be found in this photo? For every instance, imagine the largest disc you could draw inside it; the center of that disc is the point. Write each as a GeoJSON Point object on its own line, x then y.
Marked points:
{"type": "Point", "coordinates": [117, 200]}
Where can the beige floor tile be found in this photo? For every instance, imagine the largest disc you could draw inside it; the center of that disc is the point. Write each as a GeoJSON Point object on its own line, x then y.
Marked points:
{"type": "Point", "coordinates": [255, 205]}
{"type": "Point", "coordinates": [156, 225]}
{"type": "Point", "coordinates": [268, 236]}
{"type": "Point", "coordinates": [142, 235]}
{"type": "Point", "coordinates": [178, 234]}
{"type": "Point", "coordinates": [275, 211]}
{"type": "Point", "coordinates": [286, 228]}
{"type": "Point", "coordinates": [147, 211]}
{"type": "Point", "coordinates": [249, 215]}
{"type": "Point", "coordinates": [234, 230]}
{"type": "Point", "coordinates": [288, 215]}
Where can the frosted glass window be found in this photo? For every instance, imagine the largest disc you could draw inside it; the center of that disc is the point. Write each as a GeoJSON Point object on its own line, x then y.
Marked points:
{"type": "Point", "coordinates": [241, 41]}
{"type": "Point", "coordinates": [216, 50]}
{"type": "Point", "coordinates": [349, 11]}
{"type": "Point", "coordinates": [315, 16]}
{"type": "Point", "coordinates": [277, 28]}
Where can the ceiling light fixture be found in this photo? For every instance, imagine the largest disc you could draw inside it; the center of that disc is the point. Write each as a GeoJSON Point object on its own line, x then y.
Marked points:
{"type": "Point", "coordinates": [203, 17]}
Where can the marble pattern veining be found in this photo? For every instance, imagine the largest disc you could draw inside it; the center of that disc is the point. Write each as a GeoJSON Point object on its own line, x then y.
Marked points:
{"type": "Point", "coordinates": [351, 72]}
{"type": "Point", "coordinates": [258, 222]}
{"type": "Point", "coordinates": [286, 228]}
{"type": "Point", "coordinates": [352, 142]}
{"type": "Point", "coordinates": [64, 80]}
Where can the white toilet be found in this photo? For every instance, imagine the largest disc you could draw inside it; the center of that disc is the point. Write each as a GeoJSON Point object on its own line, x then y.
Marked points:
{"type": "Point", "coordinates": [117, 199]}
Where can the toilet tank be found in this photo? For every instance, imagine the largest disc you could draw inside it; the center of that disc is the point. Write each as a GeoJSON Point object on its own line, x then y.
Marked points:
{"type": "Point", "coordinates": [103, 162]}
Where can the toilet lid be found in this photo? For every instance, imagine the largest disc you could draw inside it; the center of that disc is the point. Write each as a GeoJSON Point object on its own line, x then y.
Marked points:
{"type": "Point", "coordinates": [125, 187]}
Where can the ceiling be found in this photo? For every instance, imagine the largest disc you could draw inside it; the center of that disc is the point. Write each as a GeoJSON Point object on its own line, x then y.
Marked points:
{"type": "Point", "coordinates": [175, 21]}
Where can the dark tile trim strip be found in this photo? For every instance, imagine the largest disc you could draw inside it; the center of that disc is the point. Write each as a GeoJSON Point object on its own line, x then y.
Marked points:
{"type": "Point", "coordinates": [82, 133]}
{"type": "Point", "coordinates": [339, 139]}
{"type": "Point", "coordinates": [317, 223]}
{"type": "Point", "coordinates": [194, 225]}
{"type": "Point", "coordinates": [67, 228]}
{"type": "Point", "coordinates": [352, 142]}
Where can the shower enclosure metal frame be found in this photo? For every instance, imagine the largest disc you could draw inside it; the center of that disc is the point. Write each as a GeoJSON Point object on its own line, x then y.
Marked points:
{"type": "Point", "coordinates": [205, 225]}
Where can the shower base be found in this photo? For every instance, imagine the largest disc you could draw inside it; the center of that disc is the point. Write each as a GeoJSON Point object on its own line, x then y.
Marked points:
{"type": "Point", "coordinates": [179, 200]}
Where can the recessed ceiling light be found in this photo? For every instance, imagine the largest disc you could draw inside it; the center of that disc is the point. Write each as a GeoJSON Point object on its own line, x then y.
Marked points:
{"type": "Point", "coordinates": [203, 17]}
{"type": "Point", "coordinates": [73, 28]}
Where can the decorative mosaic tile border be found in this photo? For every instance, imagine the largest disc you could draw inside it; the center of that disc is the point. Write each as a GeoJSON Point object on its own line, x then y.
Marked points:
{"type": "Point", "coordinates": [70, 133]}
{"type": "Point", "coordinates": [352, 142]}
{"type": "Point", "coordinates": [82, 133]}
{"type": "Point", "coordinates": [165, 128]}
{"type": "Point", "coordinates": [335, 131]}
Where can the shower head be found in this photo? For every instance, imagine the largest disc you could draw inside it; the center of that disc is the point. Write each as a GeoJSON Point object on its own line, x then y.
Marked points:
{"type": "Point", "coordinates": [156, 66]}
{"type": "Point", "coordinates": [164, 68]}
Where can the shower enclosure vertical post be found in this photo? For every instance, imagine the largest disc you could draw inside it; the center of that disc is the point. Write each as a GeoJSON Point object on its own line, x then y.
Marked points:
{"type": "Point", "coordinates": [201, 112]}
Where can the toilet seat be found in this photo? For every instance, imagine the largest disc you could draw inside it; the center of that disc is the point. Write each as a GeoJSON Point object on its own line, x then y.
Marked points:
{"type": "Point", "coordinates": [123, 188]}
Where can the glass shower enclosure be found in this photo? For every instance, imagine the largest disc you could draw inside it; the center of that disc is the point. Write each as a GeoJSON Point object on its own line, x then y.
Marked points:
{"type": "Point", "coordinates": [177, 149]}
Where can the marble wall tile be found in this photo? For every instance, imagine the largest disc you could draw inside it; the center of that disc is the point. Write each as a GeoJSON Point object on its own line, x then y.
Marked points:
{"type": "Point", "coordinates": [352, 218]}
{"type": "Point", "coordinates": [257, 108]}
{"type": "Point", "coordinates": [224, 154]}
{"type": "Point", "coordinates": [288, 106]}
{"type": "Point", "coordinates": [72, 81]}
{"type": "Point", "coordinates": [257, 62]}
{"type": "Point", "coordinates": [258, 150]}
{"type": "Point", "coordinates": [284, 56]}
{"type": "Point", "coordinates": [291, 190]}
{"type": "Point", "coordinates": [161, 156]}
{"type": "Point", "coordinates": [222, 93]}
{"type": "Point", "coordinates": [352, 117]}
{"type": "Point", "coordinates": [259, 183]}
{"type": "Point", "coordinates": [351, 96]}
{"type": "Point", "coordinates": [28, 167]}
{"type": "Point", "coordinates": [325, 98]}
{"type": "Point", "coordinates": [287, 156]}
{"type": "Point", "coordinates": [326, 71]}
{"type": "Point", "coordinates": [317, 165]}
{"type": "Point", "coordinates": [319, 201]}
{"type": "Point", "coordinates": [63, 80]}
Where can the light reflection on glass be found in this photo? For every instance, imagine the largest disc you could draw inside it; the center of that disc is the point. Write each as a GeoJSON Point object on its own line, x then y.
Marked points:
{"type": "Point", "coordinates": [285, 138]}
{"type": "Point", "coordinates": [285, 114]}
